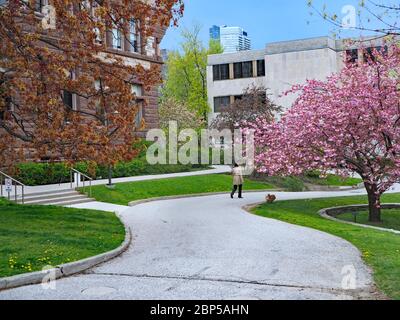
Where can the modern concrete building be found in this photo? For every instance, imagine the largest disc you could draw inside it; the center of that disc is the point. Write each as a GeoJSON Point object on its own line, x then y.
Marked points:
{"type": "Point", "coordinates": [232, 39]}
{"type": "Point", "coordinates": [277, 67]}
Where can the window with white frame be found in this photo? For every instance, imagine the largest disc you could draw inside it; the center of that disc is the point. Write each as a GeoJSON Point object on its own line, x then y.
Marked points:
{"type": "Point", "coordinates": [139, 115]}
{"type": "Point", "coordinates": [134, 37]}
{"type": "Point", "coordinates": [98, 36]}
{"type": "Point", "coordinates": [39, 4]}
{"type": "Point", "coordinates": [116, 38]}
{"type": "Point", "coordinates": [85, 5]}
{"type": "Point", "coordinates": [69, 98]}
{"type": "Point", "coordinates": [116, 34]}
{"type": "Point", "coordinates": [137, 90]}
{"type": "Point", "coordinates": [98, 104]}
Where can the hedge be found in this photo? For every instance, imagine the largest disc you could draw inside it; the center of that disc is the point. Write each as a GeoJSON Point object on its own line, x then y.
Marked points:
{"type": "Point", "coordinates": [32, 173]}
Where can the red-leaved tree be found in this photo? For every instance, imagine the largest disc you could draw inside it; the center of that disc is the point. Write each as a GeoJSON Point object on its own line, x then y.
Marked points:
{"type": "Point", "coordinates": [46, 61]}
{"type": "Point", "coordinates": [348, 123]}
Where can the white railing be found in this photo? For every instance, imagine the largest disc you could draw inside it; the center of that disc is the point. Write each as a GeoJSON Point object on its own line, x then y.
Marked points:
{"type": "Point", "coordinates": [12, 184]}
{"type": "Point", "coordinates": [81, 177]}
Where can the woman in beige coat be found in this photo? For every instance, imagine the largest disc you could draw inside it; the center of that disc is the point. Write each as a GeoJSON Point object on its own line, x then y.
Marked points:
{"type": "Point", "coordinates": [237, 181]}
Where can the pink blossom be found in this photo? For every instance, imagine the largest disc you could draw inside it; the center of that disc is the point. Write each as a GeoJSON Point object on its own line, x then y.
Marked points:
{"type": "Point", "coordinates": [348, 123]}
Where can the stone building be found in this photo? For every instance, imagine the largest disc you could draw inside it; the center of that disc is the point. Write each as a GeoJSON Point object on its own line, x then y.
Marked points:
{"type": "Point", "coordinates": [136, 50]}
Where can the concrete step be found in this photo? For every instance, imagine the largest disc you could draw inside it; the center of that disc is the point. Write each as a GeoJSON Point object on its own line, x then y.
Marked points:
{"type": "Point", "coordinates": [51, 196]}
{"type": "Point", "coordinates": [56, 200]}
{"type": "Point", "coordinates": [45, 193]}
{"type": "Point", "coordinates": [62, 197]}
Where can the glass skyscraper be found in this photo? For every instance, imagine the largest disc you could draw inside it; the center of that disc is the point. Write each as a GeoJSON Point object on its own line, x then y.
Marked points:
{"type": "Point", "coordinates": [215, 33]}
{"type": "Point", "coordinates": [233, 39]}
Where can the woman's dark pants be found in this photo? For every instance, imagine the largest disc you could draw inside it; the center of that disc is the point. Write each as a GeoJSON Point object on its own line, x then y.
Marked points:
{"type": "Point", "coordinates": [235, 188]}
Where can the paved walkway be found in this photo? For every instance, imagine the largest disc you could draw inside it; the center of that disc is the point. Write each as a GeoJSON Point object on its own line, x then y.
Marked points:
{"type": "Point", "coordinates": [65, 186]}
{"type": "Point", "coordinates": [209, 248]}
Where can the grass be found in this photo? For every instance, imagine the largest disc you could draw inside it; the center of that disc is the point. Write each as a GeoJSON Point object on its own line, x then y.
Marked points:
{"type": "Point", "coordinates": [380, 250]}
{"type": "Point", "coordinates": [33, 237]}
{"type": "Point", "coordinates": [298, 183]}
{"type": "Point", "coordinates": [333, 180]}
{"type": "Point", "coordinates": [132, 191]}
{"type": "Point", "coordinates": [391, 219]}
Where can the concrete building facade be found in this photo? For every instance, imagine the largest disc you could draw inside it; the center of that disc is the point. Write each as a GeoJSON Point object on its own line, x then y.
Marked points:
{"type": "Point", "coordinates": [277, 67]}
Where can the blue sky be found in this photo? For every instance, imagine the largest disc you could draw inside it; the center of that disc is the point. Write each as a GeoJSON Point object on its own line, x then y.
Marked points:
{"type": "Point", "coordinates": [265, 20]}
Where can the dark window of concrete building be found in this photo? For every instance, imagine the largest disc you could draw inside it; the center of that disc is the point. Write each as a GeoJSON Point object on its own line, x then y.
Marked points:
{"type": "Point", "coordinates": [221, 72]}
{"type": "Point", "coordinates": [220, 103]}
{"type": "Point", "coordinates": [243, 70]}
{"type": "Point", "coordinates": [239, 97]}
{"type": "Point", "coordinates": [352, 56]}
{"type": "Point", "coordinates": [260, 68]}
{"type": "Point", "coordinates": [383, 50]}
{"type": "Point", "coordinates": [263, 98]}
{"type": "Point", "coordinates": [247, 69]}
{"type": "Point", "coordinates": [369, 53]}
{"type": "Point", "coordinates": [237, 70]}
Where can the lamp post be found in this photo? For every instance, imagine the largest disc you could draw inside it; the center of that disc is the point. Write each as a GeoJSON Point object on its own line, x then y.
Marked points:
{"type": "Point", "coordinates": [110, 167]}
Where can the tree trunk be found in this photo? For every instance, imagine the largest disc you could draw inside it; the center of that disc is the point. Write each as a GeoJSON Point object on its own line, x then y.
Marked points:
{"type": "Point", "coordinates": [374, 202]}
{"type": "Point", "coordinates": [110, 173]}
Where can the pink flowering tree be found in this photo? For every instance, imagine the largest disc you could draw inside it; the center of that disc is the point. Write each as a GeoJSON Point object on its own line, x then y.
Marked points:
{"type": "Point", "coordinates": [348, 123]}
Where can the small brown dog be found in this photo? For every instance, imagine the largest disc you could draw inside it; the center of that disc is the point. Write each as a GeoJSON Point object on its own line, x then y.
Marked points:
{"type": "Point", "coordinates": [270, 198]}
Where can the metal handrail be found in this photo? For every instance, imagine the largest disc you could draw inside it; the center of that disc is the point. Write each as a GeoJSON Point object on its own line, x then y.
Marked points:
{"type": "Point", "coordinates": [17, 183]}
{"type": "Point", "coordinates": [80, 174]}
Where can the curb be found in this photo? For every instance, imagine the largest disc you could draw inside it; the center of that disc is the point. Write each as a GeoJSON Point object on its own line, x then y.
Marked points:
{"type": "Point", "coordinates": [66, 270]}
{"type": "Point", "coordinates": [196, 195]}
{"type": "Point", "coordinates": [327, 214]}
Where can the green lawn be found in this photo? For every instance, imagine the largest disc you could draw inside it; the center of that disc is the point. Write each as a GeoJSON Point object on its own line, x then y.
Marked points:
{"type": "Point", "coordinates": [335, 181]}
{"type": "Point", "coordinates": [127, 192]}
{"type": "Point", "coordinates": [380, 250]}
{"type": "Point", "coordinates": [32, 237]}
{"type": "Point", "coordinates": [391, 219]}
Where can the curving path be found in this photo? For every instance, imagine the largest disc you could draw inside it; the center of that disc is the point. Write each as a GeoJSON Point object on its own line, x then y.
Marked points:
{"type": "Point", "coordinates": [210, 248]}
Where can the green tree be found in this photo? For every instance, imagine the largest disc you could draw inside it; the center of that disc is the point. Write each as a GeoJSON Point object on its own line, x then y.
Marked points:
{"type": "Point", "coordinates": [186, 80]}
{"type": "Point", "coordinates": [172, 110]}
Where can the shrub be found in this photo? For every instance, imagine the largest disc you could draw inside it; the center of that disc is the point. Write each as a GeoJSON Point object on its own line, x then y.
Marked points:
{"type": "Point", "coordinates": [293, 184]}
{"type": "Point", "coordinates": [313, 174]}
{"type": "Point", "coordinates": [42, 173]}
{"type": "Point", "coordinates": [32, 173]}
